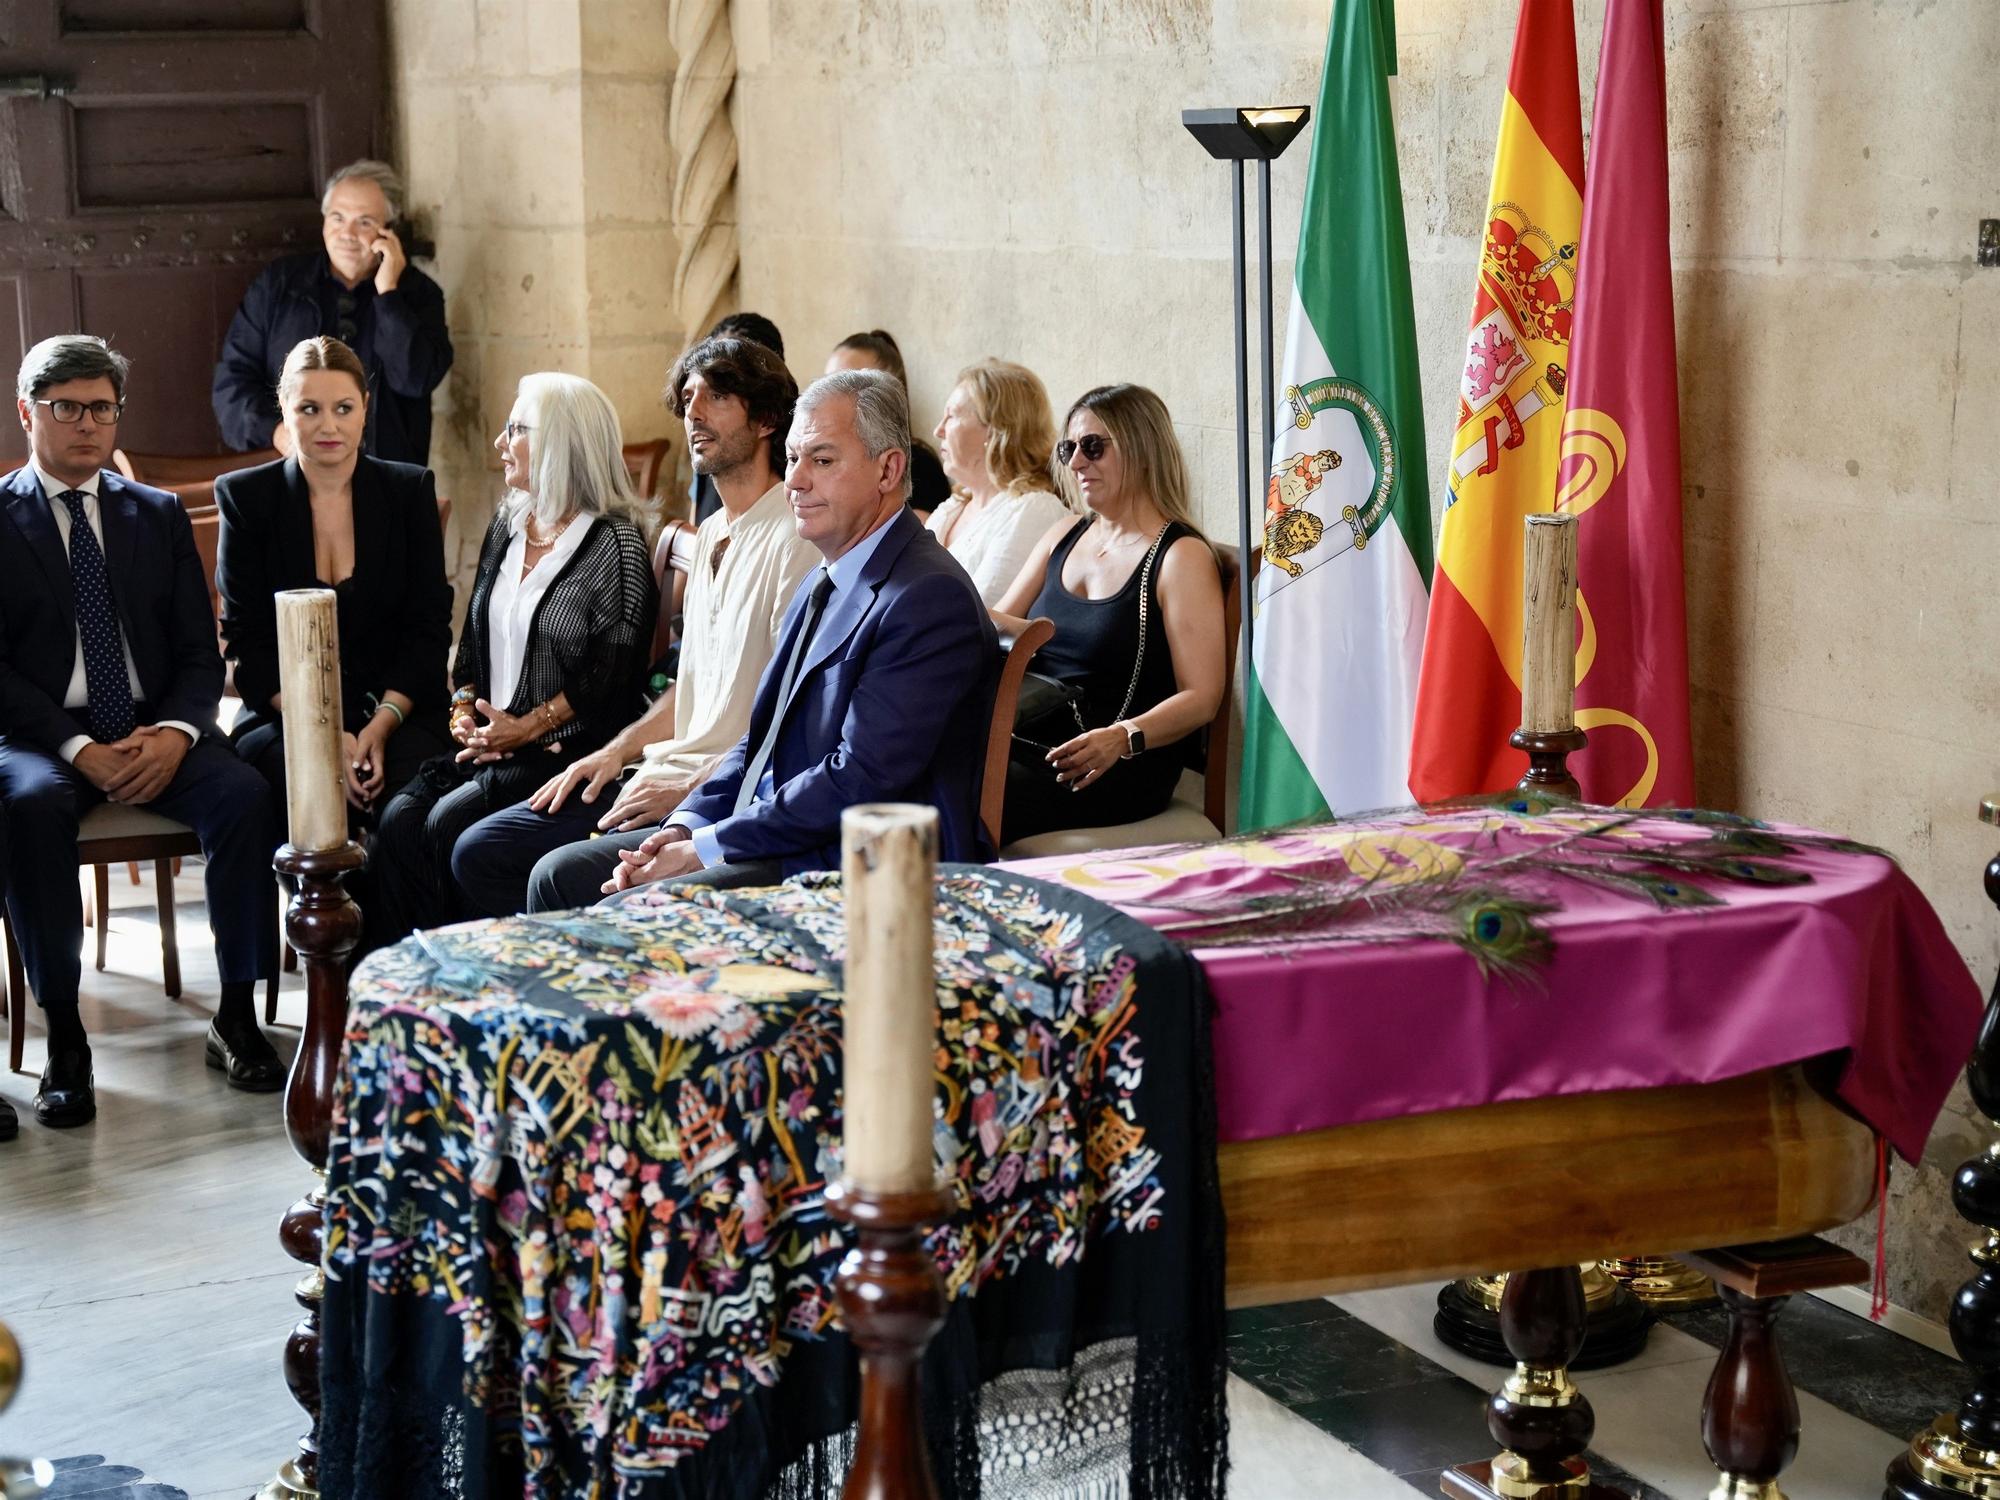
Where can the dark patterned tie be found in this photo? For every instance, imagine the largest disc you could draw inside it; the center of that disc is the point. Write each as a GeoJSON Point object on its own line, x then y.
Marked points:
{"type": "Point", "coordinates": [104, 676]}
{"type": "Point", "coordinates": [753, 773]}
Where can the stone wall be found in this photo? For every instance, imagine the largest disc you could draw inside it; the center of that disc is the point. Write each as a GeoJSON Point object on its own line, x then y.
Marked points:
{"type": "Point", "coordinates": [533, 134]}
{"type": "Point", "coordinates": [1009, 177]}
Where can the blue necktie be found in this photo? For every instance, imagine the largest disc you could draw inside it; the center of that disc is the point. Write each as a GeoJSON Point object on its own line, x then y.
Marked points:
{"type": "Point", "coordinates": [104, 675]}
{"type": "Point", "coordinates": [753, 772]}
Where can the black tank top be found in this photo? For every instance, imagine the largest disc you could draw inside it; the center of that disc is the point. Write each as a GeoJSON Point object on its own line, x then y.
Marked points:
{"type": "Point", "coordinates": [1096, 639]}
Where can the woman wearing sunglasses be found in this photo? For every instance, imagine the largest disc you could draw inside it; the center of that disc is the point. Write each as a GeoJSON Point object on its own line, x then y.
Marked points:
{"type": "Point", "coordinates": [1136, 599]}
{"type": "Point", "coordinates": [553, 655]}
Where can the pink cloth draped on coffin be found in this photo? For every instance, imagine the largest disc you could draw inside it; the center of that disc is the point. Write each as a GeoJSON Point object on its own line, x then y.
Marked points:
{"type": "Point", "coordinates": [1315, 1033]}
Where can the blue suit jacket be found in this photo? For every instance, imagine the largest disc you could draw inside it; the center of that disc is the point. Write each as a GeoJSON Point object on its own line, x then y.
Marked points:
{"type": "Point", "coordinates": [162, 595]}
{"type": "Point", "coordinates": [894, 709]}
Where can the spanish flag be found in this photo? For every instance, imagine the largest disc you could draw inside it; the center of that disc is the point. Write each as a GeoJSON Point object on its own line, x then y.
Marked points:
{"type": "Point", "coordinates": [1508, 440]}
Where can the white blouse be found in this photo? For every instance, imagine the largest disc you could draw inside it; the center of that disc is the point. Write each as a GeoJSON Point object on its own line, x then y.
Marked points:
{"type": "Point", "coordinates": [510, 609]}
{"type": "Point", "coordinates": [994, 545]}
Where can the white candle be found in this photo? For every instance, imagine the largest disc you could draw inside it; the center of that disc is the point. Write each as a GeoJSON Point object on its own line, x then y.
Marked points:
{"type": "Point", "coordinates": [889, 1017]}
{"type": "Point", "coordinates": [309, 679]}
{"type": "Point", "coordinates": [1548, 625]}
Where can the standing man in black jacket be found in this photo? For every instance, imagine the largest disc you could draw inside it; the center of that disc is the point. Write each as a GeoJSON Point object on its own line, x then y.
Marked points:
{"type": "Point", "coordinates": [109, 679]}
{"type": "Point", "coordinates": [362, 290]}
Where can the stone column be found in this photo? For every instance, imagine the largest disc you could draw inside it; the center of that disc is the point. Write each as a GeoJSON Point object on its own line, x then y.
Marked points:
{"type": "Point", "coordinates": [534, 137]}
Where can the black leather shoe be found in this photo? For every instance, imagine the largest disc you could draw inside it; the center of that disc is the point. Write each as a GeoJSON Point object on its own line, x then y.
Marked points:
{"type": "Point", "coordinates": [10, 1123]}
{"type": "Point", "coordinates": [67, 1096]}
{"type": "Point", "coordinates": [244, 1054]}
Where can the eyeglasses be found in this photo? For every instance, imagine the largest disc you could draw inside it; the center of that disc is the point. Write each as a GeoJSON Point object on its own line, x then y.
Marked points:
{"type": "Point", "coordinates": [513, 430]}
{"type": "Point", "coordinates": [1093, 445]}
{"type": "Point", "coordinates": [69, 413]}
{"type": "Point", "coordinates": [345, 328]}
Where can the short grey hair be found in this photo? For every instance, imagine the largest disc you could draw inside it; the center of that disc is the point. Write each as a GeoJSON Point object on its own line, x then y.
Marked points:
{"type": "Point", "coordinates": [881, 410]}
{"type": "Point", "coordinates": [70, 356]}
{"type": "Point", "coordinates": [367, 169]}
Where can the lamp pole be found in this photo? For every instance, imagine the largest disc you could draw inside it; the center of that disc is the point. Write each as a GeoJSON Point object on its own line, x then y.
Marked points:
{"type": "Point", "coordinates": [1239, 284]}
{"type": "Point", "coordinates": [1236, 136]}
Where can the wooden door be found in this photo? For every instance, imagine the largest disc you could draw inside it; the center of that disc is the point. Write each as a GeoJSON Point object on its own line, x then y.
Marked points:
{"type": "Point", "coordinates": [154, 156]}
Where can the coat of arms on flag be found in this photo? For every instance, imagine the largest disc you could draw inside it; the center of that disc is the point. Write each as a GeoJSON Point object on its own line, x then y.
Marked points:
{"type": "Point", "coordinates": [1334, 477]}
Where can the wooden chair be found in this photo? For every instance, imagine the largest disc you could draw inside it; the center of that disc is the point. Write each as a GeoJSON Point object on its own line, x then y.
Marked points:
{"type": "Point", "coordinates": [1200, 808]}
{"type": "Point", "coordinates": [109, 834]}
{"type": "Point", "coordinates": [644, 461]}
{"type": "Point", "coordinates": [191, 476]}
{"type": "Point", "coordinates": [1020, 651]}
{"type": "Point", "coordinates": [673, 588]}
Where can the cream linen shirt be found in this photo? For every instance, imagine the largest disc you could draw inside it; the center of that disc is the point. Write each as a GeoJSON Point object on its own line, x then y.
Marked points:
{"type": "Point", "coordinates": [729, 628]}
{"type": "Point", "coordinates": [994, 545]}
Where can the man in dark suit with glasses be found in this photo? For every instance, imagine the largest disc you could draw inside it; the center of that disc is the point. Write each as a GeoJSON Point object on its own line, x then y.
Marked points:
{"type": "Point", "coordinates": [109, 680]}
{"type": "Point", "coordinates": [359, 288]}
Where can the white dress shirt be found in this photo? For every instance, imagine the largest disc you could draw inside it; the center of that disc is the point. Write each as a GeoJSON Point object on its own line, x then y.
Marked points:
{"type": "Point", "coordinates": [510, 612]}
{"type": "Point", "coordinates": [77, 695]}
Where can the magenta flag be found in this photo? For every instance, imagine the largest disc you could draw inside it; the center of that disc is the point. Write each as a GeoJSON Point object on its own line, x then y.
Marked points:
{"type": "Point", "coordinates": [1620, 471]}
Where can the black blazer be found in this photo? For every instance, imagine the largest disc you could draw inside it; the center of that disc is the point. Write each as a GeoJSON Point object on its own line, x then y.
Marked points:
{"type": "Point", "coordinates": [395, 609]}
{"type": "Point", "coordinates": [162, 597]}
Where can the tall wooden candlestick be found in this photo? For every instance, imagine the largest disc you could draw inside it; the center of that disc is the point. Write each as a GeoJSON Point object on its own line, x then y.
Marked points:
{"type": "Point", "coordinates": [1548, 731]}
{"type": "Point", "coordinates": [891, 1296]}
{"type": "Point", "coordinates": [323, 924]}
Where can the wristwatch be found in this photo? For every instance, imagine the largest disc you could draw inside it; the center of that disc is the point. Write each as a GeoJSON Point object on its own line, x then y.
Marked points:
{"type": "Point", "coordinates": [1135, 740]}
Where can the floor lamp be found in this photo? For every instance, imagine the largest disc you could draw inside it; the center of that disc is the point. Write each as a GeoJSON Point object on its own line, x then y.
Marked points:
{"type": "Point", "coordinates": [1236, 136]}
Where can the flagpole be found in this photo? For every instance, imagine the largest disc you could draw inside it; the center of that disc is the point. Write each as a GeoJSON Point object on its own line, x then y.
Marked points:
{"type": "Point", "coordinates": [1241, 285]}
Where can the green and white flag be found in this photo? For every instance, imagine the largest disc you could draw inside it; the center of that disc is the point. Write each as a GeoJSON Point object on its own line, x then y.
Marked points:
{"type": "Point", "coordinates": [1344, 591]}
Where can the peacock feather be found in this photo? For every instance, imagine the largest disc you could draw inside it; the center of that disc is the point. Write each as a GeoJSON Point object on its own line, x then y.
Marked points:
{"type": "Point", "coordinates": [1501, 934]}
{"type": "Point", "coordinates": [1491, 903]}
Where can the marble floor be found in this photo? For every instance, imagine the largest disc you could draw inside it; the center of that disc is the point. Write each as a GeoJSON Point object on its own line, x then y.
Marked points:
{"type": "Point", "coordinates": [140, 1269]}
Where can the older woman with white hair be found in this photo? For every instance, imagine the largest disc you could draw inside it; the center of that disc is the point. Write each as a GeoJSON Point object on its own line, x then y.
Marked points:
{"type": "Point", "coordinates": [554, 651]}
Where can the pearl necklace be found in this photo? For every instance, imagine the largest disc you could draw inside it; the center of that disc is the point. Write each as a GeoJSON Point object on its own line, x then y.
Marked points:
{"type": "Point", "coordinates": [545, 543]}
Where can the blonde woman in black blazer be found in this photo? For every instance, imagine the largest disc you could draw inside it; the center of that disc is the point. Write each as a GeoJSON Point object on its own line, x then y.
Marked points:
{"type": "Point", "coordinates": [332, 517]}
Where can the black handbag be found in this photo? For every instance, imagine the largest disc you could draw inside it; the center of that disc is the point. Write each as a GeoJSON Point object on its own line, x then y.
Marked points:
{"type": "Point", "coordinates": [1050, 711]}
{"type": "Point", "coordinates": [1046, 711]}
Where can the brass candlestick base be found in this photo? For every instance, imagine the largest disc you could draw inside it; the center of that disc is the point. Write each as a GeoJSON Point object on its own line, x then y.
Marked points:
{"type": "Point", "coordinates": [1541, 1421]}
{"type": "Point", "coordinates": [1660, 1282]}
{"type": "Point", "coordinates": [24, 1478]}
{"type": "Point", "coordinates": [323, 924]}
{"type": "Point", "coordinates": [1468, 1320]}
{"type": "Point", "coordinates": [1959, 1453]}
{"type": "Point", "coordinates": [892, 1301]}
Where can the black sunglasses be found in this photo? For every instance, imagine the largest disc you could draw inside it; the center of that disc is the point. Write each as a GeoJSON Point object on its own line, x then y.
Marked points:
{"type": "Point", "coordinates": [1093, 445]}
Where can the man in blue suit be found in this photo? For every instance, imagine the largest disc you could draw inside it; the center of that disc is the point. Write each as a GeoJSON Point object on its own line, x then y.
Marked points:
{"type": "Point", "coordinates": [880, 690]}
{"type": "Point", "coordinates": [109, 680]}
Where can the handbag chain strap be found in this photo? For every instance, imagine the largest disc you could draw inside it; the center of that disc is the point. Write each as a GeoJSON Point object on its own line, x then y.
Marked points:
{"type": "Point", "coordinates": [1139, 658]}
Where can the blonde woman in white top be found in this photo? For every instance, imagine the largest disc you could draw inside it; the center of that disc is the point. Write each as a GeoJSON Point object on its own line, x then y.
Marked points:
{"type": "Point", "coordinates": [995, 440]}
